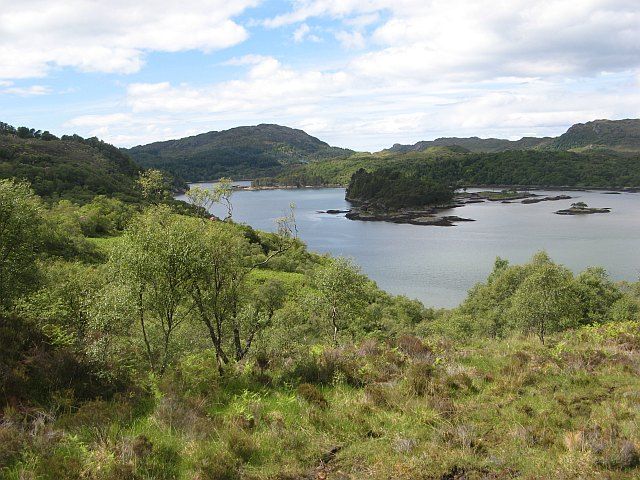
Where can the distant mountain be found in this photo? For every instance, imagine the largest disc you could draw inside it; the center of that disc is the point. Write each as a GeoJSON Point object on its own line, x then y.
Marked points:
{"type": "Point", "coordinates": [70, 167]}
{"type": "Point", "coordinates": [619, 135]}
{"type": "Point", "coordinates": [241, 152]}
{"type": "Point", "coordinates": [474, 144]}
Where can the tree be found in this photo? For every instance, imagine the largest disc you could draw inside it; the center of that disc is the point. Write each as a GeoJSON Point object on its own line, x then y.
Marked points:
{"type": "Point", "coordinates": [202, 198]}
{"type": "Point", "coordinates": [20, 239]}
{"type": "Point", "coordinates": [545, 301]}
{"type": "Point", "coordinates": [153, 186]}
{"type": "Point", "coordinates": [222, 191]}
{"type": "Point", "coordinates": [154, 261]}
{"type": "Point", "coordinates": [218, 286]}
{"type": "Point", "coordinates": [340, 294]}
{"type": "Point", "coordinates": [596, 294]}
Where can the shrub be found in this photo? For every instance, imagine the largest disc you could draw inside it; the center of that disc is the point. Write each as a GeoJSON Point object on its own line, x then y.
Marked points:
{"type": "Point", "coordinates": [12, 442]}
{"type": "Point", "coordinates": [312, 394]}
{"type": "Point", "coordinates": [415, 348]}
{"type": "Point", "coordinates": [419, 376]}
{"type": "Point", "coordinates": [377, 394]}
{"type": "Point", "coordinates": [218, 465]}
{"type": "Point", "coordinates": [163, 463]}
{"type": "Point", "coordinates": [198, 373]}
{"type": "Point", "coordinates": [241, 444]}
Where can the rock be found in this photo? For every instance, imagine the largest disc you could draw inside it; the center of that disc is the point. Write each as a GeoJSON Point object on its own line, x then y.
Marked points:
{"type": "Point", "coordinates": [546, 199]}
{"type": "Point", "coordinates": [332, 211]}
{"type": "Point", "coordinates": [426, 216]}
{"type": "Point", "coordinates": [454, 218]}
{"type": "Point", "coordinates": [582, 211]}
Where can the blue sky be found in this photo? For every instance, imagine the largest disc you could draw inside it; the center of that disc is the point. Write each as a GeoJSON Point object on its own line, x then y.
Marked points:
{"type": "Point", "coordinates": [362, 74]}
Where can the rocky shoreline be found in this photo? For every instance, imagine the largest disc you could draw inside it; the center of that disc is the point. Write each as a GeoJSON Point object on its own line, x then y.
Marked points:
{"type": "Point", "coordinates": [434, 215]}
{"type": "Point", "coordinates": [582, 211]}
{"type": "Point", "coordinates": [426, 216]}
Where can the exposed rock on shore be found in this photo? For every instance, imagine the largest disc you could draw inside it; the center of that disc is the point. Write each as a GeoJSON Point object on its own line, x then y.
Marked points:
{"type": "Point", "coordinates": [424, 216]}
{"type": "Point", "coordinates": [582, 211]}
{"type": "Point", "coordinates": [545, 199]}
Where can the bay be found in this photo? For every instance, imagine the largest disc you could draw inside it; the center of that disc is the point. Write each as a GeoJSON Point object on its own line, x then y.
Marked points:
{"type": "Point", "coordinates": [438, 265]}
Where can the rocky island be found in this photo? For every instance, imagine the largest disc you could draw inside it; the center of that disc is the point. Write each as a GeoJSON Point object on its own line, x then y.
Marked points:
{"type": "Point", "coordinates": [581, 208]}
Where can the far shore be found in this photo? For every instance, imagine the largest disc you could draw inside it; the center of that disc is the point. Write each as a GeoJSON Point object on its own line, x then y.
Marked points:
{"type": "Point", "coordinates": [523, 188]}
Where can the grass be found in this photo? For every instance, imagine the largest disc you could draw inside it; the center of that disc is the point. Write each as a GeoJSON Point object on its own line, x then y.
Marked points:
{"type": "Point", "coordinates": [489, 409]}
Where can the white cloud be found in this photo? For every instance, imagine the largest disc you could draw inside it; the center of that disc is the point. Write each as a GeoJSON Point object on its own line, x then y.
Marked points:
{"type": "Point", "coordinates": [301, 32]}
{"type": "Point", "coordinates": [351, 109]}
{"type": "Point", "coordinates": [426, 68]}
{"type": "Point", "coordinates": [350, 40]}
{"type": "Point", "coordinates": [94, 121]}
{"type": "Point", "coordinates": [111, 36]}
{"type": "Point", "coordinates": [29, 91]}
{"type": "Point", "coordinates": [488, 38]}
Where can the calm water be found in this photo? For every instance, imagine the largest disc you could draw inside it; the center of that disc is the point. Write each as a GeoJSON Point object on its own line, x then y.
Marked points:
{"type": "Point", "coordinates": [437, 265]}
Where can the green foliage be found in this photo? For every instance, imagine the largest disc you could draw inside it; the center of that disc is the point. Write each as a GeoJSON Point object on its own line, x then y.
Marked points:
{"type": "Point", "coordinates": [339, 296]}
{"type": "Point", "coordinates": [538, 297]}
{"type": "Point", "coordinates": [621, 135]}
{"type": "Point", "coordinates": [153, 185]}
{"type": "Point", "coordinates": [312, 394]}
{"type": "Point", "coordinates": [279, 363]}
{"type": "Point", "coordinates": [544, 301]}
{"type": "Point", "coordinates": [69, 168]}
{"type": "Point", "coordinates": [153, 262]}
{"type": "Point", "coordinates": [20, 240]}
{"type": "Point", "coordinates": [242, 152]}
{"type": "Point", "coordinates": [396, 188]}
{"type": "Point", "coordinates": [542, 168]}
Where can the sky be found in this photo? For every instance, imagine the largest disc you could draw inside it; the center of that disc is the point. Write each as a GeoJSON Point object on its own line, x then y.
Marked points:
{"type": "Point", "coordinates": [362, 74]}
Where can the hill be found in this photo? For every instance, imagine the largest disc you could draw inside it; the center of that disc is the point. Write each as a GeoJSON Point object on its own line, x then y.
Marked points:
{"type": "Point", "coordinates": [69, 167]}
{"type": "Point", "coordinates": [526, 168]}
{"type": "Point", "coordinates": [474, 144]}
{"type": "Point", "coordinates": [241, 152]}
{"type": "Point", "coordinates": [619, 135]}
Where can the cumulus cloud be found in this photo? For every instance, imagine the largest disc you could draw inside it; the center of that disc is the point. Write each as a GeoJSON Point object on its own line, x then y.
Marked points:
{"type": "Point", "coordinates": [488, 38]}
{"type": "Point", "coordinates": [412, 69]}
{"type": "Point", "coordinates": [111, 36]}
{"type": "Point", "coordinates": [350, 40]}
{"type": "Point", "coordinates": [348, 109]}
{"type": "Point", "coordinates": [24, 91]}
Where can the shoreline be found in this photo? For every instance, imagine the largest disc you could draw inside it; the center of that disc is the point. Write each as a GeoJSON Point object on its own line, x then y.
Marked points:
{"type": "Point", "coordinates": [522, 188]}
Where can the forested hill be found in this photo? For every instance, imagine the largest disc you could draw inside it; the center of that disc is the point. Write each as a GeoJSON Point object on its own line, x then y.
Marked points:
{"type": "Point", "coordinates": [619, 135]}
{"type": "Point", "coordinates": [475, 144]}
{"type": "Point", "coordinates": [238, 152]}
{"type": "Point", "coordinates": [69, 167]}
{"type": "Point", "coordinates": [532, 168]}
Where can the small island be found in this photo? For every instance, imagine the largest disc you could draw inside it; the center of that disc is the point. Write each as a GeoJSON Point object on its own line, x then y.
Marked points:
{"type": "Point", "coordinates": [390, 195]}
{"type": "Point", "coordinates": [581, 208]}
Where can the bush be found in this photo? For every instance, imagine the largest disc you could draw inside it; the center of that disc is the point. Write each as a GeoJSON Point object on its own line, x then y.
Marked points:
{"type": "Point", "coordinates": [419, 376]}
{"type": "Point", "coordinates": [241, 444]}
{"type": "Point", "coordinates": [12, 442]}
{"type": "Point", "coordinates": [219, 465]}
{"type": "Point", "coordinates": [313, 395]}
{"type": "Point", "coordinates": [198, 373]}
{"type": "Point", "coordinates": [163, 463]}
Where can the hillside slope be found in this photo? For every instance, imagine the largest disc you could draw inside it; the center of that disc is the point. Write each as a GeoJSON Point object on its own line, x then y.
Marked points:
{"type": "Point", "coordinates": [238, 152]}
{"type": "Point", "coordinates": [475, 144]}
{"type": "Point", "coordinates": [70, 167]}
{"type": "Point", "coordinates": [619, 135]}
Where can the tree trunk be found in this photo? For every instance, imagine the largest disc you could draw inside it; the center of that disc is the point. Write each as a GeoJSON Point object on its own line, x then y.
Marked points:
{"type": "Point", "coordinates": [144, 332]}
